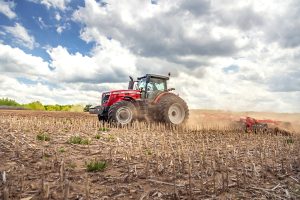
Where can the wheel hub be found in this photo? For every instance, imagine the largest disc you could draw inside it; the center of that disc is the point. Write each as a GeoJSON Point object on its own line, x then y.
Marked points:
{"type": "Point", "coordinates": [173, 113]}
{"type": "Point", "coordinates": [124, 115]}
{"type": "Point", "coordinates": [176, 113]}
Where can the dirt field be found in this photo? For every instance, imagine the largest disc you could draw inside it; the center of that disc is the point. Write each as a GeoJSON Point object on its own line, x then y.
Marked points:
{"type": "Point", "coordinates": [208, 160]}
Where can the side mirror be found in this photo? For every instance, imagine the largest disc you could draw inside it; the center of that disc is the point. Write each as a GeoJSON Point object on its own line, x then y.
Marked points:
{"type": "Point", "coordinates": [131, 83]}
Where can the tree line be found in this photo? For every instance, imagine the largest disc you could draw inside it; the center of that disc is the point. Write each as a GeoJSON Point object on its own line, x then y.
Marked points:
{"type": "Point", "coordinates": [37, 105]}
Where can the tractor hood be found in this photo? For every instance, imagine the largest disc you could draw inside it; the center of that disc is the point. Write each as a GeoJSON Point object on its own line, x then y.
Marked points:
{"type": "Point", "coordinates": [113, 96]}
{"type": "Point", "coordinates": [123, 91]}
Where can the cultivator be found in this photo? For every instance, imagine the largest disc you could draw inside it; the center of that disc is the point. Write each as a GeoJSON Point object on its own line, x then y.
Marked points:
{"type": "Point", "coordinates": [268, 126]}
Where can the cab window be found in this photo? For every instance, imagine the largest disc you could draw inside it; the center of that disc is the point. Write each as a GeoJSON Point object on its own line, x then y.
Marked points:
{"type": "Point", "coordinates": [157, 84]}
{"type": "Point", "coordinates": [141, 84]}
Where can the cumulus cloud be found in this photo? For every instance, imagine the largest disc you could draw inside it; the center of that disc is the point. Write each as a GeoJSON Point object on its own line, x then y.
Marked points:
{"type": "Point", "coordinates": [228, 92]}
{"type": "Point", "coordinates": [153, 34]}
{"type": "Point", "coordinates": [15, 62]}
{"type": "Point", "coordinates": [107, 63]}
{"type": "Point", "coordinates": [224, 49]}
{"type": "Point", "coordinates": [60, 28]}
{"type": "Point", "coordinates": [41, 23]}
{"type": "Point", "coordinates": [25, 93]}
{"type": "Point", "coordinates": [198, 8]}
{"type": "Point", "coordinates": [284, 30]}
{"type": "Point", "coordinates": [57, 16]}
{"type": "Point", "coordinates": [222, 54]}
{"type": "Point", "coordinates": [6, 8]}
{"type": "Point", "coordinates": [287, 82]}
{"type": "Point", "coordinates": [56, 4]}
{"type": "Point", "coordinates": [20, 33]}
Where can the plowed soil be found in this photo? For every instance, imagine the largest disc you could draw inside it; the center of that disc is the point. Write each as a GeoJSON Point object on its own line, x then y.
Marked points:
{"type": "Point", "coordinates": [206, 160]}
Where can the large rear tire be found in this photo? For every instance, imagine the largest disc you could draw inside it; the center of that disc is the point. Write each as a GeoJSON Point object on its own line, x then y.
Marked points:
{"type": "Point", "coordinates": [122, 113]}
{"type": "Point", "coordinates": [172, 110]}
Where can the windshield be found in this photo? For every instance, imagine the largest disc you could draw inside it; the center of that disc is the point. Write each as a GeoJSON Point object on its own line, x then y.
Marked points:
{"type": "Point", "coordinates": [153, 85]}
{"type": "Point", "coordinates": [141, 84]}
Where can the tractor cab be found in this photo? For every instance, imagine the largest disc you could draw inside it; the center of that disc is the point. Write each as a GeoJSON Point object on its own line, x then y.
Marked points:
{"type": "Point", "coordinates": [150, 85]}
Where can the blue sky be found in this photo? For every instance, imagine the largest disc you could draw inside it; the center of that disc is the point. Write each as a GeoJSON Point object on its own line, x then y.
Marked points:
{"type": "Point", "coordinates": [42, 23]}
{"type": "Point", "coordinates": [222, 54]}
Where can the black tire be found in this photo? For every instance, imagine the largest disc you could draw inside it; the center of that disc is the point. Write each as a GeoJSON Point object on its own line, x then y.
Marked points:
{"type": "Point", "coordinates": [122, 113]}
{"type": "Point", "coordinates": [171, 109]}
{"type": "Point", "coordinates": [100, 118]}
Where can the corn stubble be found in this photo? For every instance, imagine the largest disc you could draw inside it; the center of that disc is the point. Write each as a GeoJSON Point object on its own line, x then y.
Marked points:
{"type": "Point", "coordinates": [143, 161]}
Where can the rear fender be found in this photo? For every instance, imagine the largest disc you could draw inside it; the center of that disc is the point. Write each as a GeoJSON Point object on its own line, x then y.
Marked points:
{"type": "Point", "coordinates": [156, 100]}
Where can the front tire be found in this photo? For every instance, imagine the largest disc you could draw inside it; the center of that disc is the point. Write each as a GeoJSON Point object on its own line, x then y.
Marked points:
{"type": "Point", "coordinates": [122, 113]}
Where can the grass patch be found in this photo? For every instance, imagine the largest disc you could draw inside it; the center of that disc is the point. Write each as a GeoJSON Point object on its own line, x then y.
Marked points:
{"type": "Point", "coordinates": [85, 141]}
{"type": "Point", "coordinates": [148, 152]}
{"type": "Point", "coordinates": [98, 136]}
{"type": "Point", "coordinates": [61, 150]}
{"type": "Point", "coordinates": [110, 138]}
{"type": "Point", "coordinates": [79, 140]}
{"type": "Point", "coordinates": [290, 141]}
{"type": "Point", "coordinates": [95, 166]}
{"type": "Point", "coordinates": [43, 137]}
{"type": "Point", "coordinates": [103, 129]}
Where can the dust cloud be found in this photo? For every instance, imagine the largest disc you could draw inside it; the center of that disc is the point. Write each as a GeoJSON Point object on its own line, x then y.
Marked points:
{"type": "Point", "coordinates": [226, 119]}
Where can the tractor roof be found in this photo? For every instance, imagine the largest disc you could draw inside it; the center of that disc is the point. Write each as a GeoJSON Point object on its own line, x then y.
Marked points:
{"type": "Point", "coordinates": [154, 76]}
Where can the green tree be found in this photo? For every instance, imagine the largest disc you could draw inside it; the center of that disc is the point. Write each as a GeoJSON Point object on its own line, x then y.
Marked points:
{"type": "Point", "coordinates": [76, 108]}
{"type": "Point", "coordinates": [8, 102]}
{"type": "Point", "coordinates": [36, 105]}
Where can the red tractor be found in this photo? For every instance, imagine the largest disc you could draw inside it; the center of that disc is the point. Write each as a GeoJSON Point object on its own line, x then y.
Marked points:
{"type": "Point", "coordinates": [147, 98]}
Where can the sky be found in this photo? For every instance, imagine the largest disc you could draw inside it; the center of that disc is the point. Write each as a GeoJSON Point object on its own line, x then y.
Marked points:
{"type": "Point", "coordinates": [222, 54]}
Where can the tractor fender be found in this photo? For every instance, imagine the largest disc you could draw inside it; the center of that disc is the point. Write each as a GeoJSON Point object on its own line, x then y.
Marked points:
{"type": "Point", "coordinates": [129, 98]}
{"type": "Point", "coordinates": [132, 100]}
{"type": "Point", "coordinates": [161, 95]}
